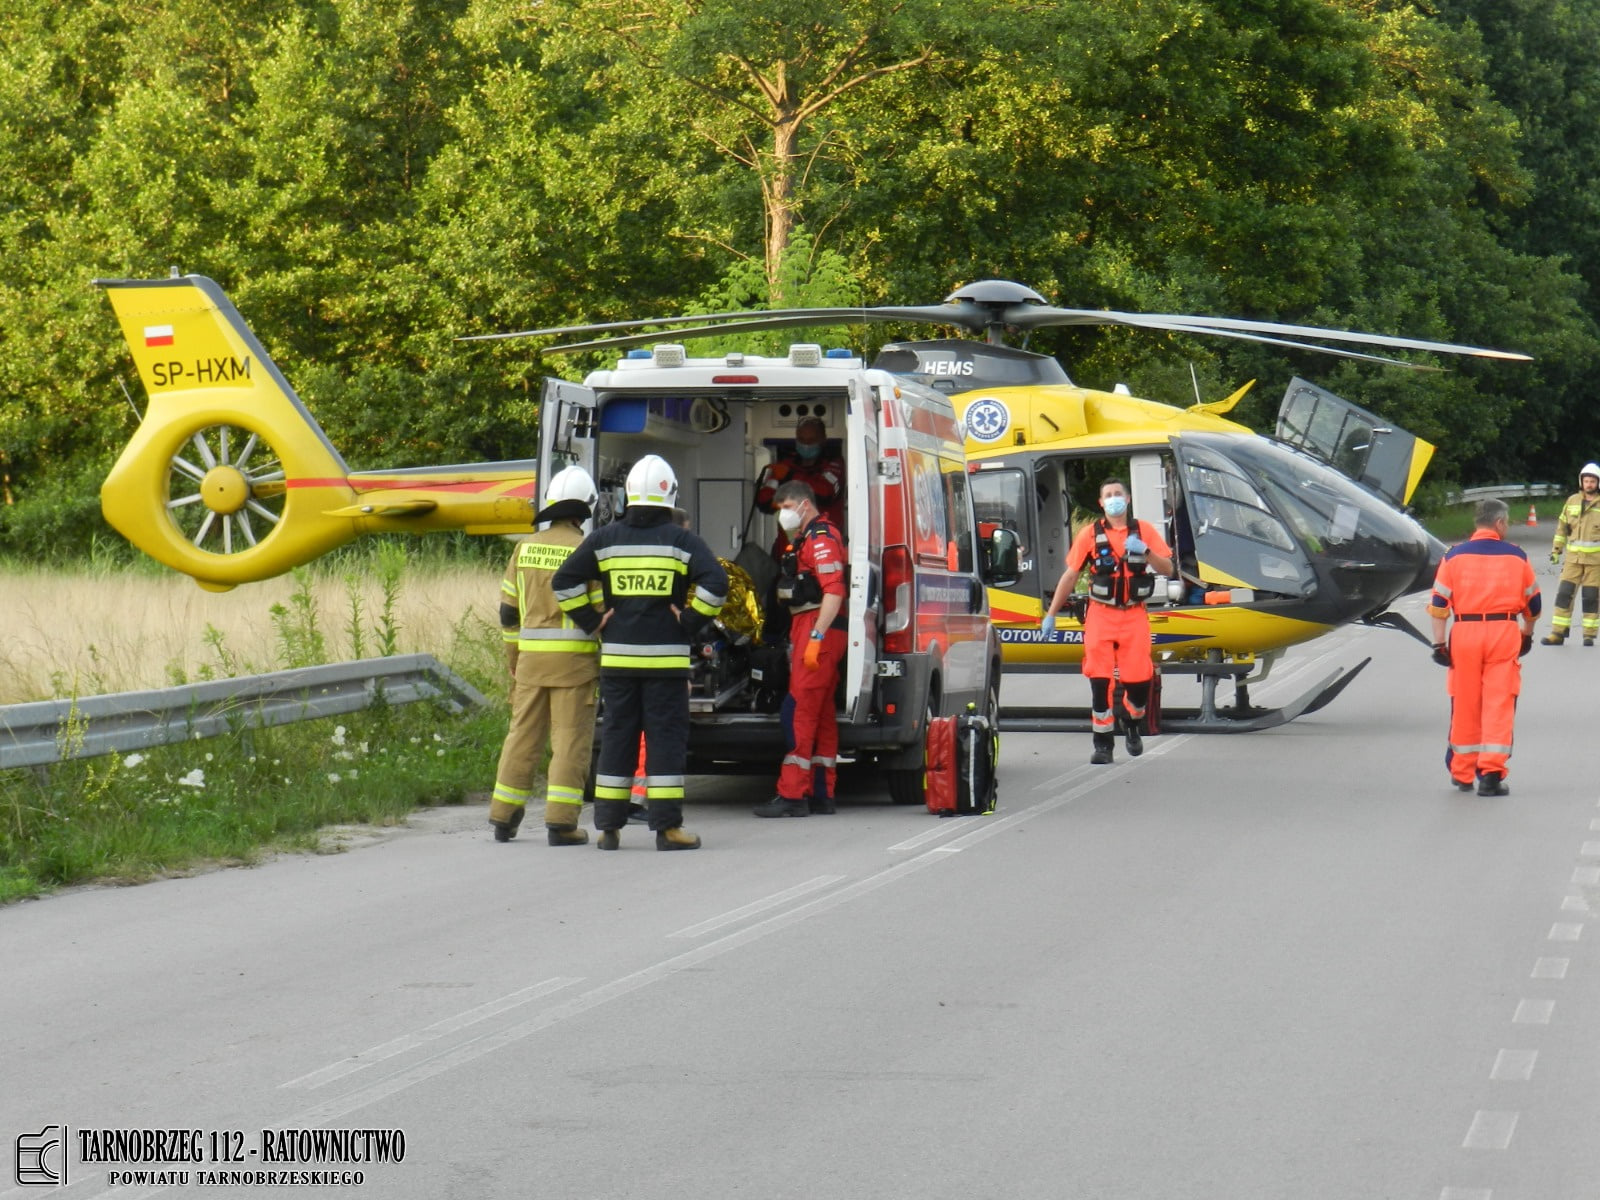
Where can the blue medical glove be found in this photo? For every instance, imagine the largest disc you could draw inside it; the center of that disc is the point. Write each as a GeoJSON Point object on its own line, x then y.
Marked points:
{"type": "Point", "coordinates": [1135, 544]}
{"type": "Point", "coordinates": [1048, 624]}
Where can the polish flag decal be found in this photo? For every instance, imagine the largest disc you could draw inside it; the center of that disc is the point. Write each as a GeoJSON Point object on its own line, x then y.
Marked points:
{"type": "Point", "coordinates": [158, 335]}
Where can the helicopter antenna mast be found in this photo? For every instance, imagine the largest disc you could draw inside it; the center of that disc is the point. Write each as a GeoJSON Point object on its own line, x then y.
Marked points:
{"type": "Point", "coordinates": [1195, 379]}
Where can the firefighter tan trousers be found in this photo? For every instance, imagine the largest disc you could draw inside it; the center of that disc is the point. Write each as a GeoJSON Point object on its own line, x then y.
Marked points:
{"type": "Point", "coordinates": [560, 717]}
{"type": "Point", "coordinates": [1485, 678]}
{"type": "Point", "coordinates": [1580, 573]}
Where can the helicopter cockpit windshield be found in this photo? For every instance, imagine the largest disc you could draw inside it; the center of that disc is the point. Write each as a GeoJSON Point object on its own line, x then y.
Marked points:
{"type": "Point", "coordinates": [1276, 519]}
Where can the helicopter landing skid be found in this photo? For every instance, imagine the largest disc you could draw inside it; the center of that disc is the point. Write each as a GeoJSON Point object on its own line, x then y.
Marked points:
{"type": "Point", "coordinates": [1208, 718]}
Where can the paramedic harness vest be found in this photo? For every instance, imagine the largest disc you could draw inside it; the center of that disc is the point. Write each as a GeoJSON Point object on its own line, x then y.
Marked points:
{"type": "Point", "coordinates": [799, 590]}
{"type": "Point", "coordinates": [1121, 583]}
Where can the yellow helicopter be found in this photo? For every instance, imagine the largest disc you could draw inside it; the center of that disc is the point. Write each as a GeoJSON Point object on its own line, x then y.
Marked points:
{"type": "Point", "coordinates": [1278, 540]}
{"type": "Point", "coordinates": [229, 479]}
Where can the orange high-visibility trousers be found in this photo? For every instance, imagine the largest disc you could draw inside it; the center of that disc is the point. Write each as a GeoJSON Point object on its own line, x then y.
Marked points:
{"type": "Point", "coordinates": [1117, 639]}
{"type": "Point", "coordinates": [1485, 679]}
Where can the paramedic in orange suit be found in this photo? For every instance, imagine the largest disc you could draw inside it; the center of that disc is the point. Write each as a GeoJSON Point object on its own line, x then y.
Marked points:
{"type": "Point", "coordinates": [814, 585]}
{"type": "Point", "coordinates": [1488, 586]}
{"type": "Point", "coordinates": [1116, 628]}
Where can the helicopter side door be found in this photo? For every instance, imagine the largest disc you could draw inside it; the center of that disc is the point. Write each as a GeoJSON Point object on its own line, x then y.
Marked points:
{"type": "Point", "coordinates": [1375, 453]}
{"type": "Point", "coordinates": [1238, 541]}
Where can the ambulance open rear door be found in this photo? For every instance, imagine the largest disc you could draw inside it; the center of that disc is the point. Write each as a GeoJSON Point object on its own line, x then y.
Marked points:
{"type": "Point", "coordinates": [863, 520]}
{"type": "Point", "coordinates": [568, 425]}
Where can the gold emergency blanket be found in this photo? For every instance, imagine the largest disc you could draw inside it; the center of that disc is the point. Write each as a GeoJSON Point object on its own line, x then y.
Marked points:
{"type": "Point", "coordinates": [741, 615]}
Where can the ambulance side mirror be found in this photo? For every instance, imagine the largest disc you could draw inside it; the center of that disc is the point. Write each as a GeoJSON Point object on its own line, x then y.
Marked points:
{"type": "Point", "coordinates": [1001, 551]}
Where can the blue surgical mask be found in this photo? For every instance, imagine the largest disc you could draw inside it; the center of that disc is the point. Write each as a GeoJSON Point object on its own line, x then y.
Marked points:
{"type": "Point", "coordinates": [808, 453]}
{"type": "Point", "coordinates": [1116, 505]}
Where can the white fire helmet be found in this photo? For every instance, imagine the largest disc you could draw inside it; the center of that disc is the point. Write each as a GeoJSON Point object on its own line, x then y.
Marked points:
{"type": "Point", "coordinates": [1589, 469]}
{"type": "Point", "coordinates": [652, 482]}
{"type": "Point", "coordinates": [571, 496]}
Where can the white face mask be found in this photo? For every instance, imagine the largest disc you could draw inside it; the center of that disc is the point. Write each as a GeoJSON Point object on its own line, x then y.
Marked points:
{"type": "Point", "coordinates": [790, 519]}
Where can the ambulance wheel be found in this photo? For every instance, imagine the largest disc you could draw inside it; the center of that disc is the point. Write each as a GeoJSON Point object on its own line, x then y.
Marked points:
{"type": "Point", "coordinates": [910, 785]}
{"type": "Point", "coordinates": [907, 787]}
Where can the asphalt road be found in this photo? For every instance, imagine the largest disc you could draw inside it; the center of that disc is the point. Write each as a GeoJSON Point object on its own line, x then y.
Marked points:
{"type": "Point", "coordinates": [1286, 964]}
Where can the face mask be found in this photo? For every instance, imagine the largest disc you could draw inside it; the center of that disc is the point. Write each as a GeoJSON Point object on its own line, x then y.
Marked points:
{"type": "Point", "coordinates": [1116, 505]}
{"type": "Point", "coordinates": [789, 518]}
{"type": "Point", "coordinates": [808, 453]}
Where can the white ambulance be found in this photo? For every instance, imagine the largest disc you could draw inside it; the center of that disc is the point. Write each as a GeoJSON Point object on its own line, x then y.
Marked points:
{"type": "Point", "coordinates": [920, 641]}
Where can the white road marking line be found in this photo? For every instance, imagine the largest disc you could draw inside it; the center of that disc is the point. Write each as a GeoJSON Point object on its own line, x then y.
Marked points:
{"type": "Point", "coordinates": [1565, 933]}
{"type": "Point", "coordinates": [1574, 904]}
{"type": "Point", "coordinates": [1514, 1064]}
{"type": "Point", "coordinates": [1491, 1130]}
{"type": "Point", "coordinates": [357, 1062]}
{"type": "Point", "coordinates": [758, 906]}
{"type": "Point", "coordinates": [1534, 1012]}
{"type": "Point", "coordinates": [1587, 876]}
{"type": "Point", "coordinates": [1591, 849]}
{"type": "Point", "coordinates": [1595, 824]}
{"type": "Point", "coordinates": [943, 829]}
{"type": "Point", "coordinates": [1551, 968]}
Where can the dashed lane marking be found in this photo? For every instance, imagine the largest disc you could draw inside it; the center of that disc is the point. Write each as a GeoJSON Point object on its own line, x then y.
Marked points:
{"type": "Point", "coordinates": [1491, 1130]}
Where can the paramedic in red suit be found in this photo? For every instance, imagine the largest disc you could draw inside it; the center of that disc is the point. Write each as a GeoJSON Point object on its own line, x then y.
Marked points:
{"type": "Point", "coordinates": [1488, 585]}
{"type": "Point", "coordinates": [813, 580]}
{"type": "Point", "coordinates": [1116, 628]}
{"type": "Point", "coordinates": [808, 463]}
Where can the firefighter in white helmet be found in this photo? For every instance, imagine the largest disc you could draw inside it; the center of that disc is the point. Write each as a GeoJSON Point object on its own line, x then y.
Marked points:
{"type": "Point", "coordinates": [1578, 536]}
{"type": "Point", "coordinates": [553, 665]}
{"type": "Point", "coordinates": [660, 584]}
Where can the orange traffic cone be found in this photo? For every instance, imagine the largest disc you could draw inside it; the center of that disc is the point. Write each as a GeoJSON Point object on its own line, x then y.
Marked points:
{"type": "Point", "coordinates": [640, 793]}
{"type": "Point", "coordinates": [1533, 515]}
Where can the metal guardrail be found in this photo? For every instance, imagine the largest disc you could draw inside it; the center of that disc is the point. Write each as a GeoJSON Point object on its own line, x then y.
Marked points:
{"type": "Point", "coordinates": [36, 734]}
{"type": "Point", "coordinates": [1505, 491]}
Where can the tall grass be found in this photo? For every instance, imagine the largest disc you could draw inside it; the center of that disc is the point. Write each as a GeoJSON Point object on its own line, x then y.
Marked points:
{"type": "Point", "coordinates": [90, 630]}
{"type": "Point", "coordinates": [79, 631]}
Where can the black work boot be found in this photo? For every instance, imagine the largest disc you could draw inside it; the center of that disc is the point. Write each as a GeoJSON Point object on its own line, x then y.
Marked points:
{"type": "Point", "coordinates": [505, 830]}
{"type": "Point", "coordinates": [822, 805]}
{"type": "Point", "coordinates": [561, 824]}
{"type": "Point", "coordinates": [779, 807]}
{"type": "Point", "coordinates": [1587, 640]}
{"type": "Point", "coordinates": [1132, 737]}
{"type": "Point", "coordinates": [609, 839]}
{"type": "Point", "coordinates": [1103, 742]}
{"type": "Point", "coordinates": [1492, 783]}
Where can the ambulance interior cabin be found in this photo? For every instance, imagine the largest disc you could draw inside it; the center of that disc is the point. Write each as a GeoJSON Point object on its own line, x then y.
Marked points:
{"type": "Point", "coordinates": [718, 442]}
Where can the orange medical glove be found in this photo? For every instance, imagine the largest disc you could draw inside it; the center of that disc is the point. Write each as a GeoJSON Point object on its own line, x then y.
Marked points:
{"type": "Point", "coordinates": [813, 654]}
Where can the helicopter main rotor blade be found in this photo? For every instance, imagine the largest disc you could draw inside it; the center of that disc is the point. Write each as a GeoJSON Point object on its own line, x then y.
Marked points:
{"type": "Point", "coordinates": [805, 317]}
{"type": "Point", "coordinates": [795, 319]}
{"type": "Point", "coordinates": [944, 314]}
{"type": "Point", "coordinates": [1336, 351]}
{"type": "Point", "coordinates": [1041, 316]}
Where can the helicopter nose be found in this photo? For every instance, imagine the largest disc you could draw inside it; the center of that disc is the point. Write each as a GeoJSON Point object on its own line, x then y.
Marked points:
{"type": "Point", "coordinates": [1432, 554]}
